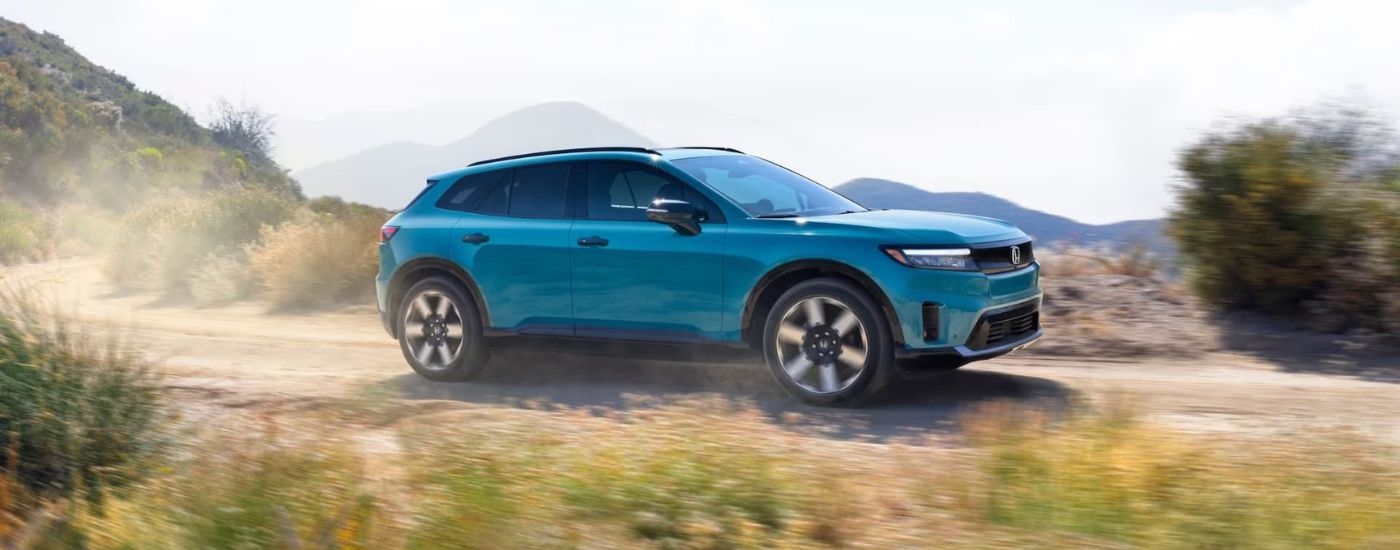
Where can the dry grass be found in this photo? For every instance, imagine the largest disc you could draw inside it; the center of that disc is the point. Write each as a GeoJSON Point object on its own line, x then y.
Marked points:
{"type": "Point", "coordinates": [320, 261]}
{"type": "Point", "coordinates": [1115, 476]}
{"type": "Point", "coordinates": [162, 244]}
{"type": "Point", "coordinates": [709, 473]}
{"type": "Point", "coordinates": [675, 477]}
{"type": "Point", "coordinates": [1073, 261]}
{"type": "Point", "coordinates": [224, 279]}
{"type": "Point", "coordinates": [1118, 305]}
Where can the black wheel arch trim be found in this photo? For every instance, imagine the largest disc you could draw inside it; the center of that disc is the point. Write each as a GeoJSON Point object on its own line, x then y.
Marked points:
{"type": "Point", "coordinates": [825, 266]}
{"type": "Point", "coordinates": [404, 273]}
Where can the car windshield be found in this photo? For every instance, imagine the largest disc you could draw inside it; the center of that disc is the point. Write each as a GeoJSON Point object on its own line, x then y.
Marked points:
{"type": "Point", "coordinates": [764, 189]}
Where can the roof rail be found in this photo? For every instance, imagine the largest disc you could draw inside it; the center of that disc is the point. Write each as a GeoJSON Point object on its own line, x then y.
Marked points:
{"type": "Point", "coordinates": [730, 149]}
{"type": "Point", "coordinates": [561, 151]}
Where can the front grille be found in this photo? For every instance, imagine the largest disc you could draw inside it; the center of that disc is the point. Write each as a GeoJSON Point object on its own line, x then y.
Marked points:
{"type": "Point", "coordinates": [998, 259]}
{"type": "Point", "coordinates": [1004, 326]}
{"type": "Point", "coordinates": [1009, 329]}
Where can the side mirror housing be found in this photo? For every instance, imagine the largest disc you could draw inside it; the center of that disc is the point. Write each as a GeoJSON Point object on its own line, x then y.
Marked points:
{"type": "Point", "coordinates": [680, 215]}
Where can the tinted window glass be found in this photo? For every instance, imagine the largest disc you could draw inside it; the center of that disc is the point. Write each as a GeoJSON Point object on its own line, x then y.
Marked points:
{"type": "Point", "coordinates": [467, 190]}
{"type": "Point", "coordinates": [498, 201]}
{"type": "Point", "coordinates": [624, 190]}
{"type": "Point", "coordinates": [539, 191]}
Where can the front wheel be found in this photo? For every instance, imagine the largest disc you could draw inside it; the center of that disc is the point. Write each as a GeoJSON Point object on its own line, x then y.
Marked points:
{"type": "Point", "coordinates": [826, 343]}
{"type": "Point", "coordinates": [440, 331]}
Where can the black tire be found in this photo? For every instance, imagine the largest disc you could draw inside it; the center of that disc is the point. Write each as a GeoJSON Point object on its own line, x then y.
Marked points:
{"type": "Point", "coordinates": [826, 347]}
{"type": "Point", "coordinates": [417, 328]}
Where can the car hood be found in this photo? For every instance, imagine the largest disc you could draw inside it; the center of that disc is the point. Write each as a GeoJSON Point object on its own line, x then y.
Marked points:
{"type": "Point", "coordinates": [921, 227]}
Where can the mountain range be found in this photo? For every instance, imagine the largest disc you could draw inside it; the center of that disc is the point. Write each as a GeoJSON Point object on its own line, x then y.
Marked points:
{"type": "Point", "coordinates": [1044, 227]}
{"type": "Point", "coordinates": [384, 175]}
{"type": "Point", "coordinates": [390, 175]}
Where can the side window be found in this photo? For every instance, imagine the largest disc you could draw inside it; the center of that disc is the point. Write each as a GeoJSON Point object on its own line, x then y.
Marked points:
{"type": "Point", "coordinates": [468, 189]}
{"type": "Point", "coordinates": [538, 191]}
{"type": "Point", "coordinates": [623, 190]}
{"type": "Point", "coordinates": [498, 201]}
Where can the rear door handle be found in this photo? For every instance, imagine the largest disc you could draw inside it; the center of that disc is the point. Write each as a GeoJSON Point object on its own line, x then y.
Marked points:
{"type": "Point", "coordinates": [593, 241]}
{"type": "Point", "coordinates": [476, 238]}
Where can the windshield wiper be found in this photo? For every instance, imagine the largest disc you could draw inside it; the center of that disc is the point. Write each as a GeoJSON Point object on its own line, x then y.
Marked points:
{"type": "Point", "coordinates": [780, 215]}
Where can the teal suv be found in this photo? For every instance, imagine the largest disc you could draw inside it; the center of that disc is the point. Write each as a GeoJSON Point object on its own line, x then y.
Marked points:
{"type": "Point", "coordinates": [699, 246]}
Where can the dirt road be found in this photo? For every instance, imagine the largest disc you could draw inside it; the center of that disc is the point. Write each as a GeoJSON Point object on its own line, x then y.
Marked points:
{"type": "Point", "coordinates": [241, 356]}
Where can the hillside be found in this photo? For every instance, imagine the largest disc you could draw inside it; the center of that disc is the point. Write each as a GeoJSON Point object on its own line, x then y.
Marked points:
{"type": "Point", "coordinates": [390, 175]}
{"type": "Point", "coordinates": [1044, 227]}
{"type": "Point", "coordinates": [72, 130]}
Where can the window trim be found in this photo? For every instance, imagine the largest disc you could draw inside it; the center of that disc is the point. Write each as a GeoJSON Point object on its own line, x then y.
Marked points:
{"type": "Point", "coordinates": [713, 212]}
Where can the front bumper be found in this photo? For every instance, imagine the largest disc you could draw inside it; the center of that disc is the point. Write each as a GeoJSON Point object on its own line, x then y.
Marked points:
{"type": "Point", "coordinates": [969, 354]}
{"type": "Point", "coordinates": [964, 302]}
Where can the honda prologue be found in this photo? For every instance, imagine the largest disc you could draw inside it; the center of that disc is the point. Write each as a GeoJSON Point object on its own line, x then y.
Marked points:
{"type": "Point", "coordinates": [699, 246]}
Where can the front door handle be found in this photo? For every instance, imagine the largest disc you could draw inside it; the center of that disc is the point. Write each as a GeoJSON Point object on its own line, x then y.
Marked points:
{"type": "Point", "coordinates": [476, 238]}
{"type": "Point", "coordinates": [593, 241]}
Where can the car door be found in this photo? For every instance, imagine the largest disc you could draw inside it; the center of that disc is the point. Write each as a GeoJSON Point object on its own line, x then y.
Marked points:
{"type": "Point", "coordinates": [515, 243]}
{"type": "Point", "coordinates": [637, 279]}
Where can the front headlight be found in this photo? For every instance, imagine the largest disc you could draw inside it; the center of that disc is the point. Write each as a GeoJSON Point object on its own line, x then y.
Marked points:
{"type": "Point", "coordinates": [959, 259]}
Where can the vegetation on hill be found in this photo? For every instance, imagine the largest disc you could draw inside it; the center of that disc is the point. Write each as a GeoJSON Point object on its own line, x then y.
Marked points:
{"type": "Point", "coordinates": [90, 162]}
{"type": "Point", "coordinates": [72, 132]}
{"type": "Point", "coordinates": [1298, 215]}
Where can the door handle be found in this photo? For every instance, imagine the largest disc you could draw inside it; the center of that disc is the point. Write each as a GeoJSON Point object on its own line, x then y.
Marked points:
{"type": "Point", "coordinates": [593, 241]}
{"type": "Point", "coordinates": [475, 238]}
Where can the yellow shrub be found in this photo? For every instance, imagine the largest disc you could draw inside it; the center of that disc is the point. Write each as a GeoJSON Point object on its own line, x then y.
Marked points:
{"type": "Point", "coordinates": [1114, 475]}
{"type": "Point", "coordinates": [161, 244]}
{"type": "Point", "coordinates": [1079, 261]}
{"type": "Point", "coordinates": [318, 262]}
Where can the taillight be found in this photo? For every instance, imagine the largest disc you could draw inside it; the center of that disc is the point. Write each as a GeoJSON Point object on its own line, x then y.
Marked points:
{"type": "Point", "coordinates": [387, 232]}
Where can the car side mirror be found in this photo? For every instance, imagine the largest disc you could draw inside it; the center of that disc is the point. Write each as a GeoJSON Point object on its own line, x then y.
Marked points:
{"type": "Point", "coordinates": [680, 215]}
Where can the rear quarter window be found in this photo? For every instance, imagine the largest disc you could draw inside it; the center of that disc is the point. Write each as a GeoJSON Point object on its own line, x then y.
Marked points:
{"type": "Point", "coordinates": [468, 190]}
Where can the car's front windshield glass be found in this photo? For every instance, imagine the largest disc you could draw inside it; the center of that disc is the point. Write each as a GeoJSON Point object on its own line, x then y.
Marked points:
{"type": "Point", "coordinates": [764, 189]}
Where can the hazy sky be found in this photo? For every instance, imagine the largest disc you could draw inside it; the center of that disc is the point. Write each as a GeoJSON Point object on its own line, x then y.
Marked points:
{"type": "Point", "coordinates": [1076, 108]}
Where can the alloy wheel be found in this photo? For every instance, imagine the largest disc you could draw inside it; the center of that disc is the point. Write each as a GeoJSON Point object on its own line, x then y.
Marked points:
{"type": "Point", "coordinates": [433, 327]}
{"type": "Point", "coordinates": [822, 345]}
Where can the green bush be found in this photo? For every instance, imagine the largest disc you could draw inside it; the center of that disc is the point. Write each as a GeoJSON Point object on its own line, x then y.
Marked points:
{"type": "Point", "coordinates": [1293, 216]}
{"type": "Point", "coordinates": [83, 412]}
{"type": "Point", "coordinates": [20, 234]}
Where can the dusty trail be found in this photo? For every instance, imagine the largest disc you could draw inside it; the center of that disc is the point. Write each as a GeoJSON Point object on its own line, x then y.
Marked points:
{"type": "Point", "coordinates": [241, 356]}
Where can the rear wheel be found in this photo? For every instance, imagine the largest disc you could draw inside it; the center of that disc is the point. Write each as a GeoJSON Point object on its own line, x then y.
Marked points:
{"type": "Point", "coordinates": [826, 343]}
{"type": "Point", "coordinates": [440, 331]}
